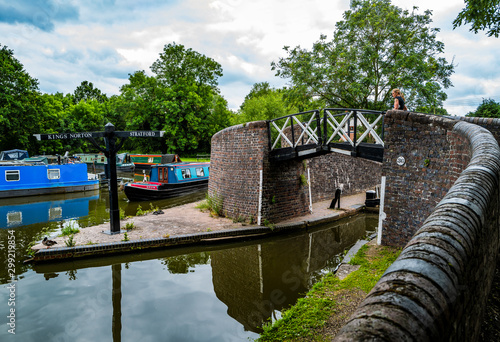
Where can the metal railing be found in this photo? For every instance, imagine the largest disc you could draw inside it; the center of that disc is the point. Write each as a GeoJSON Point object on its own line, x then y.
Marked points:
{"type": "Point", "coordinates": [364, 122]}
{"type": "Point", "coordinates": [327, 128]}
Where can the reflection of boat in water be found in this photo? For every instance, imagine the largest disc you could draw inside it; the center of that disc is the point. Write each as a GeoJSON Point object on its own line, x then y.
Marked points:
{"type": "Point", "coordinates": [18, 179]}
{"type": "Point", "coordinates": [169, 180]}
{"type": "Point", "coordinates": [23, 211]}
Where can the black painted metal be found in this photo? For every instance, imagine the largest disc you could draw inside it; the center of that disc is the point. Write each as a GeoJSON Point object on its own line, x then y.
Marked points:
{"type": "Point", "coordinates": [110, 136]}
{"type": "Point", "coordinates": [363, 150]}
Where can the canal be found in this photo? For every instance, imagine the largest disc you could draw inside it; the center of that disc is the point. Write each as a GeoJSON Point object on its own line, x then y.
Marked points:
{"type": "Point", "coordinates": [216, 293]}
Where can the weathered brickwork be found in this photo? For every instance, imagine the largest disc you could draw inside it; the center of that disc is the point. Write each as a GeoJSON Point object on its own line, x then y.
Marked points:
{"type": "Point", "coordinates": [433, 155]}
{"type": "Point", "coordinates": [437, 289]}
{"type": "Point", "coordinates": [239, 153]}
{"type": "Point", "coordinates": [338, 171]}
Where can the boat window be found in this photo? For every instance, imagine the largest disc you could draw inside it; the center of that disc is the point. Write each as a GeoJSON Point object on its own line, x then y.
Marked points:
{"type": "Point", "coordinates": [160, 174]}
{"type": "Point", "coordinates": [12, 175]}
{"type": "Point", "coordinates": [186, 173]}
{"type": "Point", "coordinates": [53, 173]}
{"type": "Point", "coordinates": [200, 172]}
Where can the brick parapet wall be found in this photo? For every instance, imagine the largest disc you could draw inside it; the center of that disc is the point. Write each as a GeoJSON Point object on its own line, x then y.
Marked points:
{"type": "Point", "coordinates": [437, 289]}
{"type": "Point", "coordinates": [434, 155]}
{"type": "Point", "coordinates": [239, 153]}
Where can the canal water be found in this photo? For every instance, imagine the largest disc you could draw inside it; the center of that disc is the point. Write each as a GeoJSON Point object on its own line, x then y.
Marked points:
{"type": "Point", "coordinates": [207, 293]}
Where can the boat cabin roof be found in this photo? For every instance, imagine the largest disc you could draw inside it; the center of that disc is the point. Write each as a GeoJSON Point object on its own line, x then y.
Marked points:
{"type": "Point", "coordinates": [13, 154]}
{"type": "Point", "coordinates": [181, 165]}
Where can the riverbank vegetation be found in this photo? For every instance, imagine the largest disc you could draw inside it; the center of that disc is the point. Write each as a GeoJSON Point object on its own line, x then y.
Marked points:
{"type": "Point", "coordinates": [327, 306]}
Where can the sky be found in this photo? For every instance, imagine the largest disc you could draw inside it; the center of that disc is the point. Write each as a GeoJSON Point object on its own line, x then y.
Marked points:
{"type": "Point", "coordinates": [62, 43]}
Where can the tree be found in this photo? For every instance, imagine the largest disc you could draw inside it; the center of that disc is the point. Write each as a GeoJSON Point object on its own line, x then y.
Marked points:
{"type": "Point", "coordinates": [188, 81]}
{"type": "Point", "coordinates": [488, 109]}
{"type": "Point", "coordinates": [19, 98]}
{"type": "Point", "coordinates": [482, 14]}
{"type": "Point", "coordinates": [264, 107]}
{"type": "Point", "coordinates": [140, 103]}
{"type": "Point", "coordinates": [377, 47]}
{"type": "Point", "coordinates": [86, 91]}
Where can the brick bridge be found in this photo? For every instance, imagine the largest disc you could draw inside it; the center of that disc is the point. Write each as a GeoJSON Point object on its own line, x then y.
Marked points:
{"type": "Point", "coordinates": [441, 203]}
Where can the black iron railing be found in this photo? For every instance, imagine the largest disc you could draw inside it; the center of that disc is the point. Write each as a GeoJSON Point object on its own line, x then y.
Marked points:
{"type": "Point", "coordinates": [317, 132]}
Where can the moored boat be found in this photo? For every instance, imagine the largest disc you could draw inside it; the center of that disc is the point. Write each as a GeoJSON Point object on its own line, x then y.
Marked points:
{"type": "Point", "coordinates": [169, 180]}
{"type": "Point", "coordinates": [98, 162]}
{"type": "Point", "coordinates": [145, 161]}
{"type": "Point", "coordinates": [28, 179]}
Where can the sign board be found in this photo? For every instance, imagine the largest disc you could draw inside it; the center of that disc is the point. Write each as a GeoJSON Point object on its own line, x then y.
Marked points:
{"type": "Point", "coordinates": [86, 135]}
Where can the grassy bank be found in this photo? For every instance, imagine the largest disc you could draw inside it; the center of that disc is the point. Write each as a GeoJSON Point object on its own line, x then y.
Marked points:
{"type": "Point", "coordinates": [322, 312]}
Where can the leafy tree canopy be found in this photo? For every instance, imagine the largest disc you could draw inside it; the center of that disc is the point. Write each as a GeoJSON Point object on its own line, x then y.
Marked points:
{"type": "Point", "coordinates": [488, 109]}
{"type": "Point", "coordinates": [19, 98]}
{"type": "Point", "coordinates": [482, 14]}
{"type": "Point", "coordinates": [263, 103]}
{"type": "Point", "coordinates": [377, 47]}
{"type": "Point", "coordinates": [182, 100]}
{"type": "Point", "coordinates": [86, 91]}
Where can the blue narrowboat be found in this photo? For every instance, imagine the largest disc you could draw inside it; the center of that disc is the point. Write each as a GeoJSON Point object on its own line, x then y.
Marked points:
{"type": "Point", "coordinates": [169, 180]}
{"type": "Point", "coordinates": [27, 179]}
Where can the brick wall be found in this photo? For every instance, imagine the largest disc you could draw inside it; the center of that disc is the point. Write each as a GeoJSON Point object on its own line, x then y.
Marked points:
{"type": "Point", "coordinates": [239, 153]}
{"type": "Point", "coordinates": [338, 171]}
{"type": "Point", "coordinates": [437, 289]}
{"type": "Point", "coordinates": [434, 155]}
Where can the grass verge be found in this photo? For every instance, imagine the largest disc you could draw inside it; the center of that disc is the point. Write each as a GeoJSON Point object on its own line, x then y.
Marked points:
{"type": "Point", "coordinates": [319, 315]}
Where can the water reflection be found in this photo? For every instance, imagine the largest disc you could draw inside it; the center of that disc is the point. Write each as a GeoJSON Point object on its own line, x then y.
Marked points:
{"type": "Point", "coordinates": [25, 211]}
{"type": "Point", "coordinates": [257, 281]}
{"type": "Point", "coordinates": [210, 293]}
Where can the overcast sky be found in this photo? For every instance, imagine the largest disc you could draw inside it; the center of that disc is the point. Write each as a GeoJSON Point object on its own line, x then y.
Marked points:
{"type": "Point", "coordinates": [62, 43]}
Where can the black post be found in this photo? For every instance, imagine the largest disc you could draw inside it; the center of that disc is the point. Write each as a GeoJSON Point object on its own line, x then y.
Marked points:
{"type": "Point", "coordinates": [116, 297]}
{"type": "Point", "coordinates": [114, 214]}
{"type": "Point", "coordinates": [318, 125]}
{"type": "Point", "coordinates": [355, 140]}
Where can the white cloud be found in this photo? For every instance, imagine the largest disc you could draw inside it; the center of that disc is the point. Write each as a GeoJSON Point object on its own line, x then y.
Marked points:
{"type": "Point", "coordinates": [103, 42]}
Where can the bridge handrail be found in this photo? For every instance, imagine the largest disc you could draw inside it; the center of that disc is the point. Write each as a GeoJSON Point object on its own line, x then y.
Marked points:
{"type": "Point", "coordinates": [357, 114]}
{"type": "Point", "coordinates": [316, 127]}
{"type": "Point", "coordinates": [312, 132]}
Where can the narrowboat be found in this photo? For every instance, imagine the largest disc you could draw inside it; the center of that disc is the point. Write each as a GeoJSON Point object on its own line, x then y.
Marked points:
{"type": "Point", "coordinates": [28, 179]}
{"type": "Point", "coordinates": [97, 162]}
{"type": "Point", "coordinates": [145, 161]}
{"type": "Point", "coordinates": [169, 180]}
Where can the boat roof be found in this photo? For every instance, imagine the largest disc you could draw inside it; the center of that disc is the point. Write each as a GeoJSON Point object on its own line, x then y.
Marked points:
{"type": "Point", "coordinates": [13, 154]}
{"type": "Point", "coordinates": [182, 164]}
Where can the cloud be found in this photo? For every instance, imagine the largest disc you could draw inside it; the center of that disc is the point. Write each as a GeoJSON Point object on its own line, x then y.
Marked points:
{"type": "Point", "coordinates": [102, 41]}
{"type": "Point", "coordinates": [41, 14]}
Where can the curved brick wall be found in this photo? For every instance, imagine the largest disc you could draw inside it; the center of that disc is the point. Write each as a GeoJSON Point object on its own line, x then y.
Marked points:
{"type": "Point", "coordinates": [437, 289]}
{"type": "Point", "coordinates": [238, 154]}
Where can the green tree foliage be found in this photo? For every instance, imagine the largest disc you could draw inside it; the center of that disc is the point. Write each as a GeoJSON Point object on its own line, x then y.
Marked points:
{"type": "Point", "coordinates": [86, 91]}
{"type": "Point", "coordinates": [181, 99]}
{"type": "Point", "coordinates": [377, 47]}
{"type": "Point", "coordinates": [264, 107]}
{"type": "Point", "coordinates": [488, 109]}
{"type": "Point", "coordinates": [482, 14]}
{"type": "Point", "coordinates": [19, 101]}
{"type": "Point", "coordinates": [188, 83]}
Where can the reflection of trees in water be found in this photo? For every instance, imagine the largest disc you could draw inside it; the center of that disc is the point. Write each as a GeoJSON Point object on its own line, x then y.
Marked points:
{"type": "Point", "coordinates": [183, 263]}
